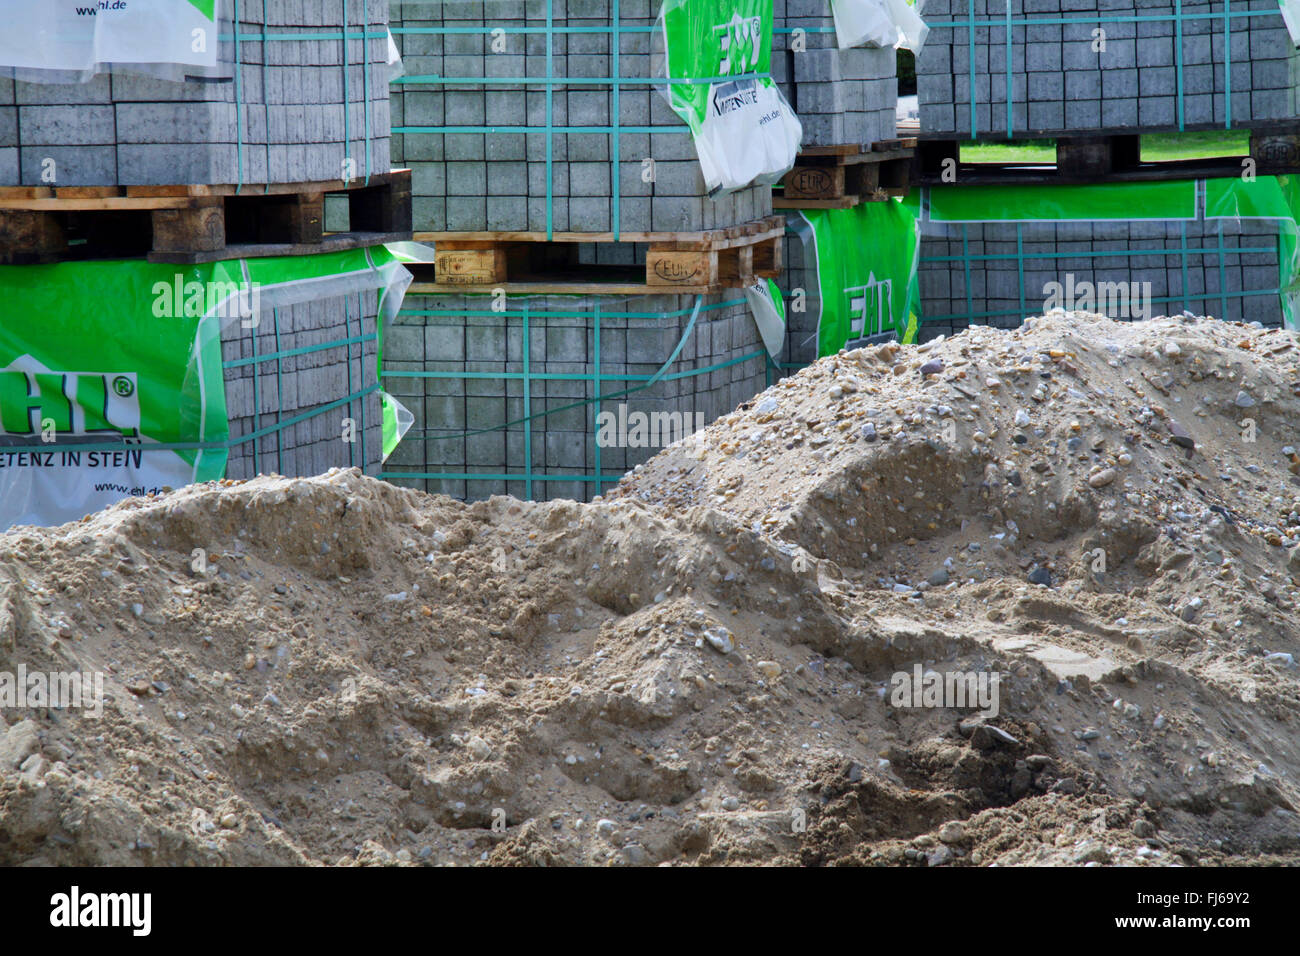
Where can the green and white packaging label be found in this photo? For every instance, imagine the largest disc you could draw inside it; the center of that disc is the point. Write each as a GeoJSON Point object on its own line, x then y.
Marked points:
{"type": "Point", "coordinates": [87, 35]}
{"type": "Point", "coordinates": [864, 261]}
{"type": "Point", "coordinates": [111, 379]}
{"type": "Point", "coordinates": [879, 23]}
{"type": "Point", "coordinates": [745, 132]}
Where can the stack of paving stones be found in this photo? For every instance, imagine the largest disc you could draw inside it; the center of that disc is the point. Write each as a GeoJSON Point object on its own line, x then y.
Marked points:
{"type": "Point", "coordinates": [493, 180]}
{"type": "Point", "coordinates": [259, 395]}
{"type": "Point", "coordinates": [990, 292]}
{"type": "Point", "coordinates": [1060, 84]}
{"type": "Point", "coordinates": [292, 111]}
{"type": "Point", "coordinates": [461, 423]}
{"type": "Point", "coordinates": [840, 96]}
{"type": "Point", "coordinates": [800, 324]}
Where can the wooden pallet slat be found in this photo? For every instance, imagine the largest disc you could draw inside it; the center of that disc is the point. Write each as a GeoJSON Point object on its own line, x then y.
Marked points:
{"type": "Point", "coordinates": [1276, 152]}
{"type": "Point", "coordinates": [694, 262]}
{"type": "Point", "coordinates": [197, 223]}
{"type": "Point", "coordinates": [841, 176]}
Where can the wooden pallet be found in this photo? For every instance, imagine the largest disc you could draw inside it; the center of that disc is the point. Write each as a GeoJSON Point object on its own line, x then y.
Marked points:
{"type": "Point", "coordinates": [531, 262]}
{"type": "Point", "coordinates": [197, 223]}
{"type": "Point", "coordinates": [838, 177]}
{"type": "Point", "coordinates": [1114, 157]}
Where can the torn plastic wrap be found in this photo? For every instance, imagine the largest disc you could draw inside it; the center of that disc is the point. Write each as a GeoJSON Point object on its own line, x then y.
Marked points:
{"type": "Point", "coordinates": [768, 309]}
{"type": "Point", "coordinates": [396, 68]}
{"type": "Point", "coordinates": [1266, 197]}
{"type": "Point", "coordinates": [718, 53]}
{"type": "Point", "coordinates": [878, 23]}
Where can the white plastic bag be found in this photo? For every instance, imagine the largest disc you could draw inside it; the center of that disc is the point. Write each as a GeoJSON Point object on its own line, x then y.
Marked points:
{"type": "Point", "coordinates": [768, 311]}
{"type": "Point", "coordinates": [1291, 16]}
{"type": "Point", "coordinates": [863, 23]}
{"type": "Point", "coordinates": [911, 28]}
{"type": "Point", "coordinates": [749, 135]}
{"type": "Point", "coordinates": [880, 23]}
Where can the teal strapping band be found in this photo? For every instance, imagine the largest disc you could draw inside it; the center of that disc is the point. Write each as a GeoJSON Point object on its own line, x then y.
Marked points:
{"type": "Point", "coordinates": [970, 24]}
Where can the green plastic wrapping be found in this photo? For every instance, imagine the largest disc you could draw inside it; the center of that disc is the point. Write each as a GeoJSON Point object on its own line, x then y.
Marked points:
{"type": "Point", "coordinates": [111, 377]}
{"type": "Point", "coordinates": [1262, 197]}
{"type": "Point", "coordinates": [721, 51]}
{"type": "Point", "coordinates": [865, 261]}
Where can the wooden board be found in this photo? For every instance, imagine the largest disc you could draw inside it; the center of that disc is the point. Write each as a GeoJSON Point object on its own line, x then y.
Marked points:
{"type": "Point", "coordinates": [197, 223]}
{"type": "Point", "coordinates": [842, 176]}
{"type": "Point", "coordinates": [739, 234]}
{"type": "Point", "coordinates": [686, 262]}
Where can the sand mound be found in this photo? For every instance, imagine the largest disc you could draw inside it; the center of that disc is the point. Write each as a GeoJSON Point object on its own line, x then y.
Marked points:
{"type": "Point", "coordinates": [697, 669]}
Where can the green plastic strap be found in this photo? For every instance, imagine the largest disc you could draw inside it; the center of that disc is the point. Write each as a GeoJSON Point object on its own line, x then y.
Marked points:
{"type": "Point", "coordinates": [1227, 64]}
{"type": "Point", "coordinates": [1154, 300]}
{"type": "Point", "coordinates": [279, 386]}
{"type": "Point", "coordinates": [616, 190]}
{"type": "Point", "coordinates": [300, 37]}
{"type": "Point", "coordinates": [1010, 92]}
{"type": "Point", "coordinates": [1178, 68]}
{"type": "Point", "coordinates": [347, 102]}
{"type": "Point", "coordinates": [1135, 252]}
{"type": "Point", "coordinates": [528, 408]}
{"type": "Point", "coordinates": [518, 31]}
{"type": "Point", "coordinates": [347, 324]}
{"type": "Point", "coordinates": [434, 79]}
{"type": "Point", "coordinates": [301, 350]}
{"type": "Point", "coordinates": [365, 92]}
{"type": "Point", "coordinates": [550, 132]}
{"type": "Point", "coordinates": [965, 256]}
{"type": "Point", "coordinates": [194, 445]}
{"type": "Point", "coordinates": [265, 81]}
{"type": "Point", "coordinates": [239, 113]}
{"type": "Point", "coordinates": [1020, 261]}
{"type": "Point", "coordinates": [595, 379]}
{"type": "Point", "coordinates": [973, 133]}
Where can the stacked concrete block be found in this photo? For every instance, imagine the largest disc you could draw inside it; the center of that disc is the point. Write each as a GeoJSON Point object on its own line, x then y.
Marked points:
{"type": "Point", "coordinates": [490, 164]}
{"type": "Point", "coordinates": [801, 286]}
{"type": "Point", "coordinates": [284, 110]}
{"type": "Point", "coordinates": [971, 274]}
{"type": "Point", "coordinates": [263, 392]}
{"type": "Point", "coordinates": [1156, 73]}
{"type": "Point", "coordinates": [479, 425]}
{"type": "Point", "coordinates": [840, 96]}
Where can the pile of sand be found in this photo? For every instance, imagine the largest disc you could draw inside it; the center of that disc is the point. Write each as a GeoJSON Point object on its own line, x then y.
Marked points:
{"type": "Point", "coordinates": [697, 669]}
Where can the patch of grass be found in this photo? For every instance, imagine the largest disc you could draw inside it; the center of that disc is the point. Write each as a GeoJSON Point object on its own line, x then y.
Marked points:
{"type": "Point", "coordinates": [1163, 147]}
{"type": "Point", "coordinates": [1156, 148]}
{"type": "Point", "coordinates": [1021, 151]}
